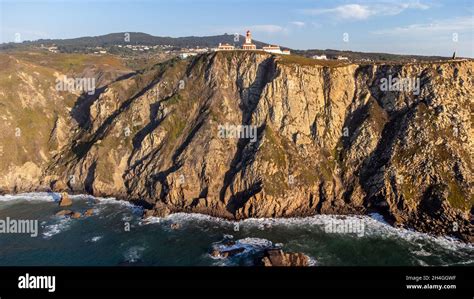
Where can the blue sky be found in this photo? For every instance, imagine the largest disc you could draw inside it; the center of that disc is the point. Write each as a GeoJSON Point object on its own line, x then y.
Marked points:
{"type": "Point", "coordinates": [431, 27]}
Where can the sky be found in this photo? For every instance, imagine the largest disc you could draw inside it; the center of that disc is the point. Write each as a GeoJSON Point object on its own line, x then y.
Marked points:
{"type": "Point", "coordinates": [422, 27]}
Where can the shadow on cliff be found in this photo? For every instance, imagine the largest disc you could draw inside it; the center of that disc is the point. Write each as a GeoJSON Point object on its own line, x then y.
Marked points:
{"type": "Point", "coordinates": [81, 148]}
{"type": "Point", "coordinates": [245, 153]}
{"type": "Point", "coordinates": [396, 125]}
{"type": "Point", "coordinates": [81, 110]}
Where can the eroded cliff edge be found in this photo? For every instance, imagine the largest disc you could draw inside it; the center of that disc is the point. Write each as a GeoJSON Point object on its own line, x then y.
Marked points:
{"type": "Point", "coordinates": [329, 139]}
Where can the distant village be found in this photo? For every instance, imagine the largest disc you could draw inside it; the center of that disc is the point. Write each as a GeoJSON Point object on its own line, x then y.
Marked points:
{"type": "Point", "coordinates": [182, 52]}
{"type": "Point", "coordinates": [185, 52]}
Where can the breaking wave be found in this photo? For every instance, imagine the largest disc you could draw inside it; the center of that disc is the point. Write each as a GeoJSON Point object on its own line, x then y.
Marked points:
{"type": "Point", "coordinates": [374, 226]}
{"type": "Point", "coordinates": [55, 228]}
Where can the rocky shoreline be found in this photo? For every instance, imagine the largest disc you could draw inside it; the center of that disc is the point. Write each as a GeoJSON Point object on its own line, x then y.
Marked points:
{"type": "Point", "coordinates": [267, 255]}
{"type": "Point", "coordinates": [161, 210]}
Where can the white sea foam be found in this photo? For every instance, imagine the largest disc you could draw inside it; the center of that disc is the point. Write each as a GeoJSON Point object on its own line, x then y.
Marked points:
{"type": "Point", "coordinates": [312, 262]}
{"type": "Point", "coordinates": [133, 254]}
{"type": "Point", "coordinates": [96, 238]}
{"type": "Point", "coordinates": [247, 245]}
{"type": "Point", "coordinates": [61, 225]}
{"type": "Point", "coordinates": [374, 224]}
{"type": "Point", "coordinates": [421, 252]}
{"type": "Point", "coordinates": [33, 196]}
{"type": "Point", "coordinates": [255, 242]}
{"type": "Point", "coordinates": [55, 197]}
{"type": "Point", "coordinates": [113, 201]}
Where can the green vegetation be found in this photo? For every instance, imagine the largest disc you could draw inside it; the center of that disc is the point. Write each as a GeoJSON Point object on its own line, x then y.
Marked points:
{"type": "Point", "coordinates": [272, 149]}
{"type": "Point", "coordinates": [305, 61]}
{"type": "Point", "coordinates": [174, 126]}
{"type": "Point", "coordinates": [69, 63]}
{"type": "Point", "coordinates": [458, 198]}
{"type": "Point", "coordinates": [378, 57]}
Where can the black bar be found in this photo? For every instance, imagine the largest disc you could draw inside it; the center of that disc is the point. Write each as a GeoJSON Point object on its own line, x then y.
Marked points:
{"type": "Point", "coordinates": [223, 282]}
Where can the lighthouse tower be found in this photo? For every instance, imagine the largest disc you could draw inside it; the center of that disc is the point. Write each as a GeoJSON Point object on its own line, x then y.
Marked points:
{"type": "Point", "coordinates": [248, 42]}
{"type": "Point", "coordinates": [248, 37]}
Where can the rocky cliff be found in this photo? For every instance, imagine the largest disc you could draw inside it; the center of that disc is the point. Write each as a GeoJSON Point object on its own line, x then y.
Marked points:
{"type": "Point", "coordinates": [328, 138]}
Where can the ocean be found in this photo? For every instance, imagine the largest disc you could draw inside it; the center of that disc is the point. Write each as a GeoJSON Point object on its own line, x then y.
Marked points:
{"type": "Point", "coordinates": [116, 235]}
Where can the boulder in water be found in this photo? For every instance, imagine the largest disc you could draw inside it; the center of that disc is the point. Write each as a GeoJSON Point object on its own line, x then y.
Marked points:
{"type": "Point", "coordinates": [65, 200]}
{"type": "Point", "coordinates": [160, 210]}
{"type": "Point", "coordinates": [224, 253]}
{"type": "Point", "coordinates": [89, 212]}
{"type": "Point", "coordinates": [278, 258]}
{"type": "Point", "coordinates": [69, 213]}
{"type": "Point", "coordinates": [64, 213]}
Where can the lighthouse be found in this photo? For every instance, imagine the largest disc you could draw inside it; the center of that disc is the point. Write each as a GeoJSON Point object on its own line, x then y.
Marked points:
{"type": "Point", "coordinates": [248, 37]}
{"type": "Point", "coordinates": [248, 42]}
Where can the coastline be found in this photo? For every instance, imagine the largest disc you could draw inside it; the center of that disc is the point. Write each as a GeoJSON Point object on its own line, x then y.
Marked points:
{"type": "Point", "coordinates": [178, 216]}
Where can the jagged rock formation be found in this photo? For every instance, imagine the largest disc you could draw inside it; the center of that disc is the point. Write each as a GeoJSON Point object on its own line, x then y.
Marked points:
{"type": "Point", "coordinates": [329, 140]}
{"type": "Point", "coordinates": [278, 258]}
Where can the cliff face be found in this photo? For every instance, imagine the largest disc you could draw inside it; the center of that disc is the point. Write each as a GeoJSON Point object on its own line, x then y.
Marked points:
{"type": "Point", "coordinates": [328, 139]}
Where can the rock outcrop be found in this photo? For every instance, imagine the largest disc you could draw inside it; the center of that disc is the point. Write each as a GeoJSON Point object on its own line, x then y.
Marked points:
{"type": "Point", "coordinates": [64, 213]}
{"type": "Point", "coordinates": [65, 200]}
{"type": "Point", "coordinates": [89, 212]}
{"type": "Point", "coordinates": [278, 258]}
{"type": "Point", "coordinates": [226, 253]}
{"type": "Point", "coordinates": [328, 139]}
{"type": "Point", "coordinates": [69, 213]}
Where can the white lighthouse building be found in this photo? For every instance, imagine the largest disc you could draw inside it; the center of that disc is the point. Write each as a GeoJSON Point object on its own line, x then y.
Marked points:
{"type": "Point", "coordinates": [248, 42]}
{"type": "Point", "coordinates": [248, 45]}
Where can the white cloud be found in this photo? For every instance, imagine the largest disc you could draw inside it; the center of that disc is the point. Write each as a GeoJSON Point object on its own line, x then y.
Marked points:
{"type": "Point", "coordinates": [348, 11]}
{"type": "Point", "coordinates": [362, 12]}
{"type": "Point", "coordinates": [298, 23]}
{"type": "Point", "coordinates": [316, 25]}
{"type": "Point", "coordinates": [267, 28]}
{"type": "Point", "coordinates": [459, 24]}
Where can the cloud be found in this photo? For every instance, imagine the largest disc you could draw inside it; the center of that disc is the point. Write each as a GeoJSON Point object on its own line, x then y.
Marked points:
{"type": "Point", "coordinates": [362, 12]}
{"type": "Point", "coordinates": [267, 28]}
{"type": "Point", "coordinates": [298, 23]}
{"type": "Point", "coordinates": [453, 25]}
{"type": "Point", "coordinates": [316, 25]}
{"type": "Point", "coordinates": [349, 11]}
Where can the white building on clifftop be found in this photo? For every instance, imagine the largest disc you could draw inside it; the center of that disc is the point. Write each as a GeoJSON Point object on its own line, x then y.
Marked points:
{"type": "Point", "coordinates": [249, 46]}
{"type": "Point", "coordinates": [248, 42]}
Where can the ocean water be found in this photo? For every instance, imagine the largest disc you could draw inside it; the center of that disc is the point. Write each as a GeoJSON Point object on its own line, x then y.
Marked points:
{"type": "Point", "coordinates": [104, 239]}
